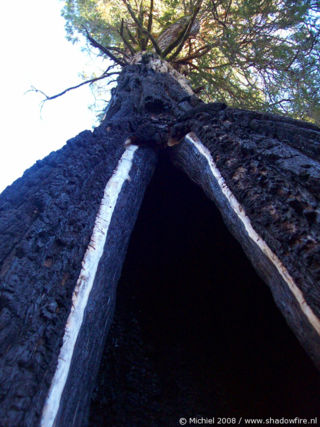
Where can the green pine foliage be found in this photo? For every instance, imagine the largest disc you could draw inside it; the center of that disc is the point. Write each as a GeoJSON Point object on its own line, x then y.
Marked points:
{"type": "Point", "coordinates": [254, 54]}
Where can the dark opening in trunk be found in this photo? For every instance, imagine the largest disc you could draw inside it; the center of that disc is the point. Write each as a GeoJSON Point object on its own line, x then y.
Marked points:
{"type": "Point", "coordinates": [196, 331]}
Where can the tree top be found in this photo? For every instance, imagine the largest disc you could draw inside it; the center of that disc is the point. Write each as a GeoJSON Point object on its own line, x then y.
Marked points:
{"type": "Point", "coordinates": [255, 54]}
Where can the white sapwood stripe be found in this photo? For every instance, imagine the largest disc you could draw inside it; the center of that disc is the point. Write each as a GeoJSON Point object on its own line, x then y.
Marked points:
{"type": "Point", "coordinates": [84, 284]}
{"type": "Point", "coordinates": [240, 212]}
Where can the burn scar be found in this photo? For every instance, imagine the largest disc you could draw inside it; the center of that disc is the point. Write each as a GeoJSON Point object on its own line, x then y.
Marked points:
{"type": "Point", "coordinates": [85, 283]}
{"type": "Point", "coordinates": [240, 212]}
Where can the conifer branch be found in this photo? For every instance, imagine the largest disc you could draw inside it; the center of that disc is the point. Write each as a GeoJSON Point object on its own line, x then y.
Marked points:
{"type": "Point", "coordinates": [125, 41]}
{"type": "Point", "coordinates": [183, 35]}
{"type": "Point", "coordinates": [143, 30]}
{"type": "Point", "coordinates": [136, 21]}
{"type": "Point", "coordinates": [149, 28]}
{"type": "Point", "coordinates": [131, 36]}
{"type": "Point", "coordinates": [150, 16]}
{"type": "Point", "coordinates": [105, 50]}
{"type": "Point", "coordinates": [197, 54]}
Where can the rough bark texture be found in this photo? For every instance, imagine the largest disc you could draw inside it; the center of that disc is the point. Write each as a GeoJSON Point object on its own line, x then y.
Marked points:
{"type": "Point", "coordinates": [269, 163]}
{"type": "Point", "coordinates": [46, 222]}
{"type": "Point", "coordinates": [149, 97]}
{"type": "Point", "coordinates": [76, 396]}
{"type": "Point", "coordinates": [196, 331]}
{"type": "Point", "coordinates": [271, 166]}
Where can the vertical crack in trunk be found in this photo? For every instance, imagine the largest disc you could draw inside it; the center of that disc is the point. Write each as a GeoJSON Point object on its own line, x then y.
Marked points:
{"type": "Point", "coordinates": [196, 331]}
{"type": "Point", "coordinates": [252, 234]}
{"type": "Point", "coordinates": [47, 221]}
{"type": "Point", "coordinates": [275, 185]}
{"type": "Point", "coordinates": [269, 163]}
{"type": "Point", "coordinates": [85, 283]}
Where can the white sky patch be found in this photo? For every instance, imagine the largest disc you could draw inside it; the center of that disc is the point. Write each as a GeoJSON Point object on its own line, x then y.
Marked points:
{"type": "Point", "coordinates": [240, 212]}
{"type": "Point", "coordinates": [36, 52]}
{"type": "Point", "coordinates": [85, 282]}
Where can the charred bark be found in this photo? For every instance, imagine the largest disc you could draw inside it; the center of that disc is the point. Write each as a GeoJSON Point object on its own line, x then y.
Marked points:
{"type": "Point", "coordinates": [195, 331]}
{"type": "Point", "coordinates": [50, 221]}
{"type": "Point", "coordinates": [50, 216]}
{"type": "Point", "coordinates": [263, 173]}
{"type": "Point", "coordinates": [46, 229]}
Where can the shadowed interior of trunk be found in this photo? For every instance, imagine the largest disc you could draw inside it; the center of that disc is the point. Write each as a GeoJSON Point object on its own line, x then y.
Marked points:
{"type": "Point", "coordinates": [196, 331]}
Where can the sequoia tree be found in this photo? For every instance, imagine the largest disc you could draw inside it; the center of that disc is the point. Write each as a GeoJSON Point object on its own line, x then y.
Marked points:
{"type": "Point", "coordinates": [250, 54]}
{"type": "Point", "coordinates": [65, 225]}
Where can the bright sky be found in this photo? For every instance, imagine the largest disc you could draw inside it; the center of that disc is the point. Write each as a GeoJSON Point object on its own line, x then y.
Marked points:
{"type": "Point", "coordinates": [35, 52]}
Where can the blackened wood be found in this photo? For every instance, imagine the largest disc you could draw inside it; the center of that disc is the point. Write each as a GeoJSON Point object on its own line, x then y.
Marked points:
{"type": "Point", "coordinates": [49, 224]}
{"type": "Point", "coordinates": [270, 164]}
{"type": "Point", "coordinates": [46, 222]}
{"type": "Point", "coordinates": [195, 330]}
{"type": "Point", "coordinates": [47, 218]}
{"type": "Point", "coordinates": [150, 95]}
{"type": "Point", "coordinates": [76, 396]}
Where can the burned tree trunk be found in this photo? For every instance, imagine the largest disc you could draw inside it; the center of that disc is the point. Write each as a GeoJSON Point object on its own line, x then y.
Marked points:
{"type": "Point", "coordinates": [263, 173]}
{"type": "Point", "coordinates": [57, 281]}
{"type": "Point", "coordinates": [64, 230]}
{"type": "Point", "coordinates": [65, 226]}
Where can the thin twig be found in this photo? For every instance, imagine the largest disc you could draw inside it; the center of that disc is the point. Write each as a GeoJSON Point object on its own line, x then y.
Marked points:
{"type": "Point", "coordinates": [280, 102]}
{"type": "Point", "coordinates": [49, 98]}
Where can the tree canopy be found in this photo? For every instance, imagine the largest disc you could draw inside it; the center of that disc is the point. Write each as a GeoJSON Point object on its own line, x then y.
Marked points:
{"type": "Point", "coordinates": [255, 54]}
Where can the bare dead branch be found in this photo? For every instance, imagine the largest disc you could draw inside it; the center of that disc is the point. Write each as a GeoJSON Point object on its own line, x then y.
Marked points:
{"type": "Point", "coordinates": [154, 43]}
{"type": "Point", "coordinates": [140, 19]}
{"type": "Point", "coordinates": [143, 30]}
{"type": "Point", "coordinates": [120, 51]}
{"type": "Point", "coordinates": [131, 36]}
{"type": "Point", "coordinates": [90, 81]}
{"type": "Point", "coordinates": [280, 102]}
{"type": "Point", "coordinates": [103, 49]}
{"type": "Point", "coordinates": [149, 27]}
{"type": "Point", "coordinates": [197, 54]}
{"type": "Point", "coordinates": [150, 16]}
{"type": "Point", "coordinates": [136, 21]}
{"type": "Point", "coordinates": [125, 41]}
{"type": "Point", "coordinates": [141, 14]}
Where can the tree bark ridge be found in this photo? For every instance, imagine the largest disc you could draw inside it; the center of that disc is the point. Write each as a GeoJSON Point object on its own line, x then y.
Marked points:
{"type": "Point", "coordinates": [46, 222]}
{"type": "Point", "coordinates": [276, 180]}
{"type": "Point", "coordinates": [269, 163]}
